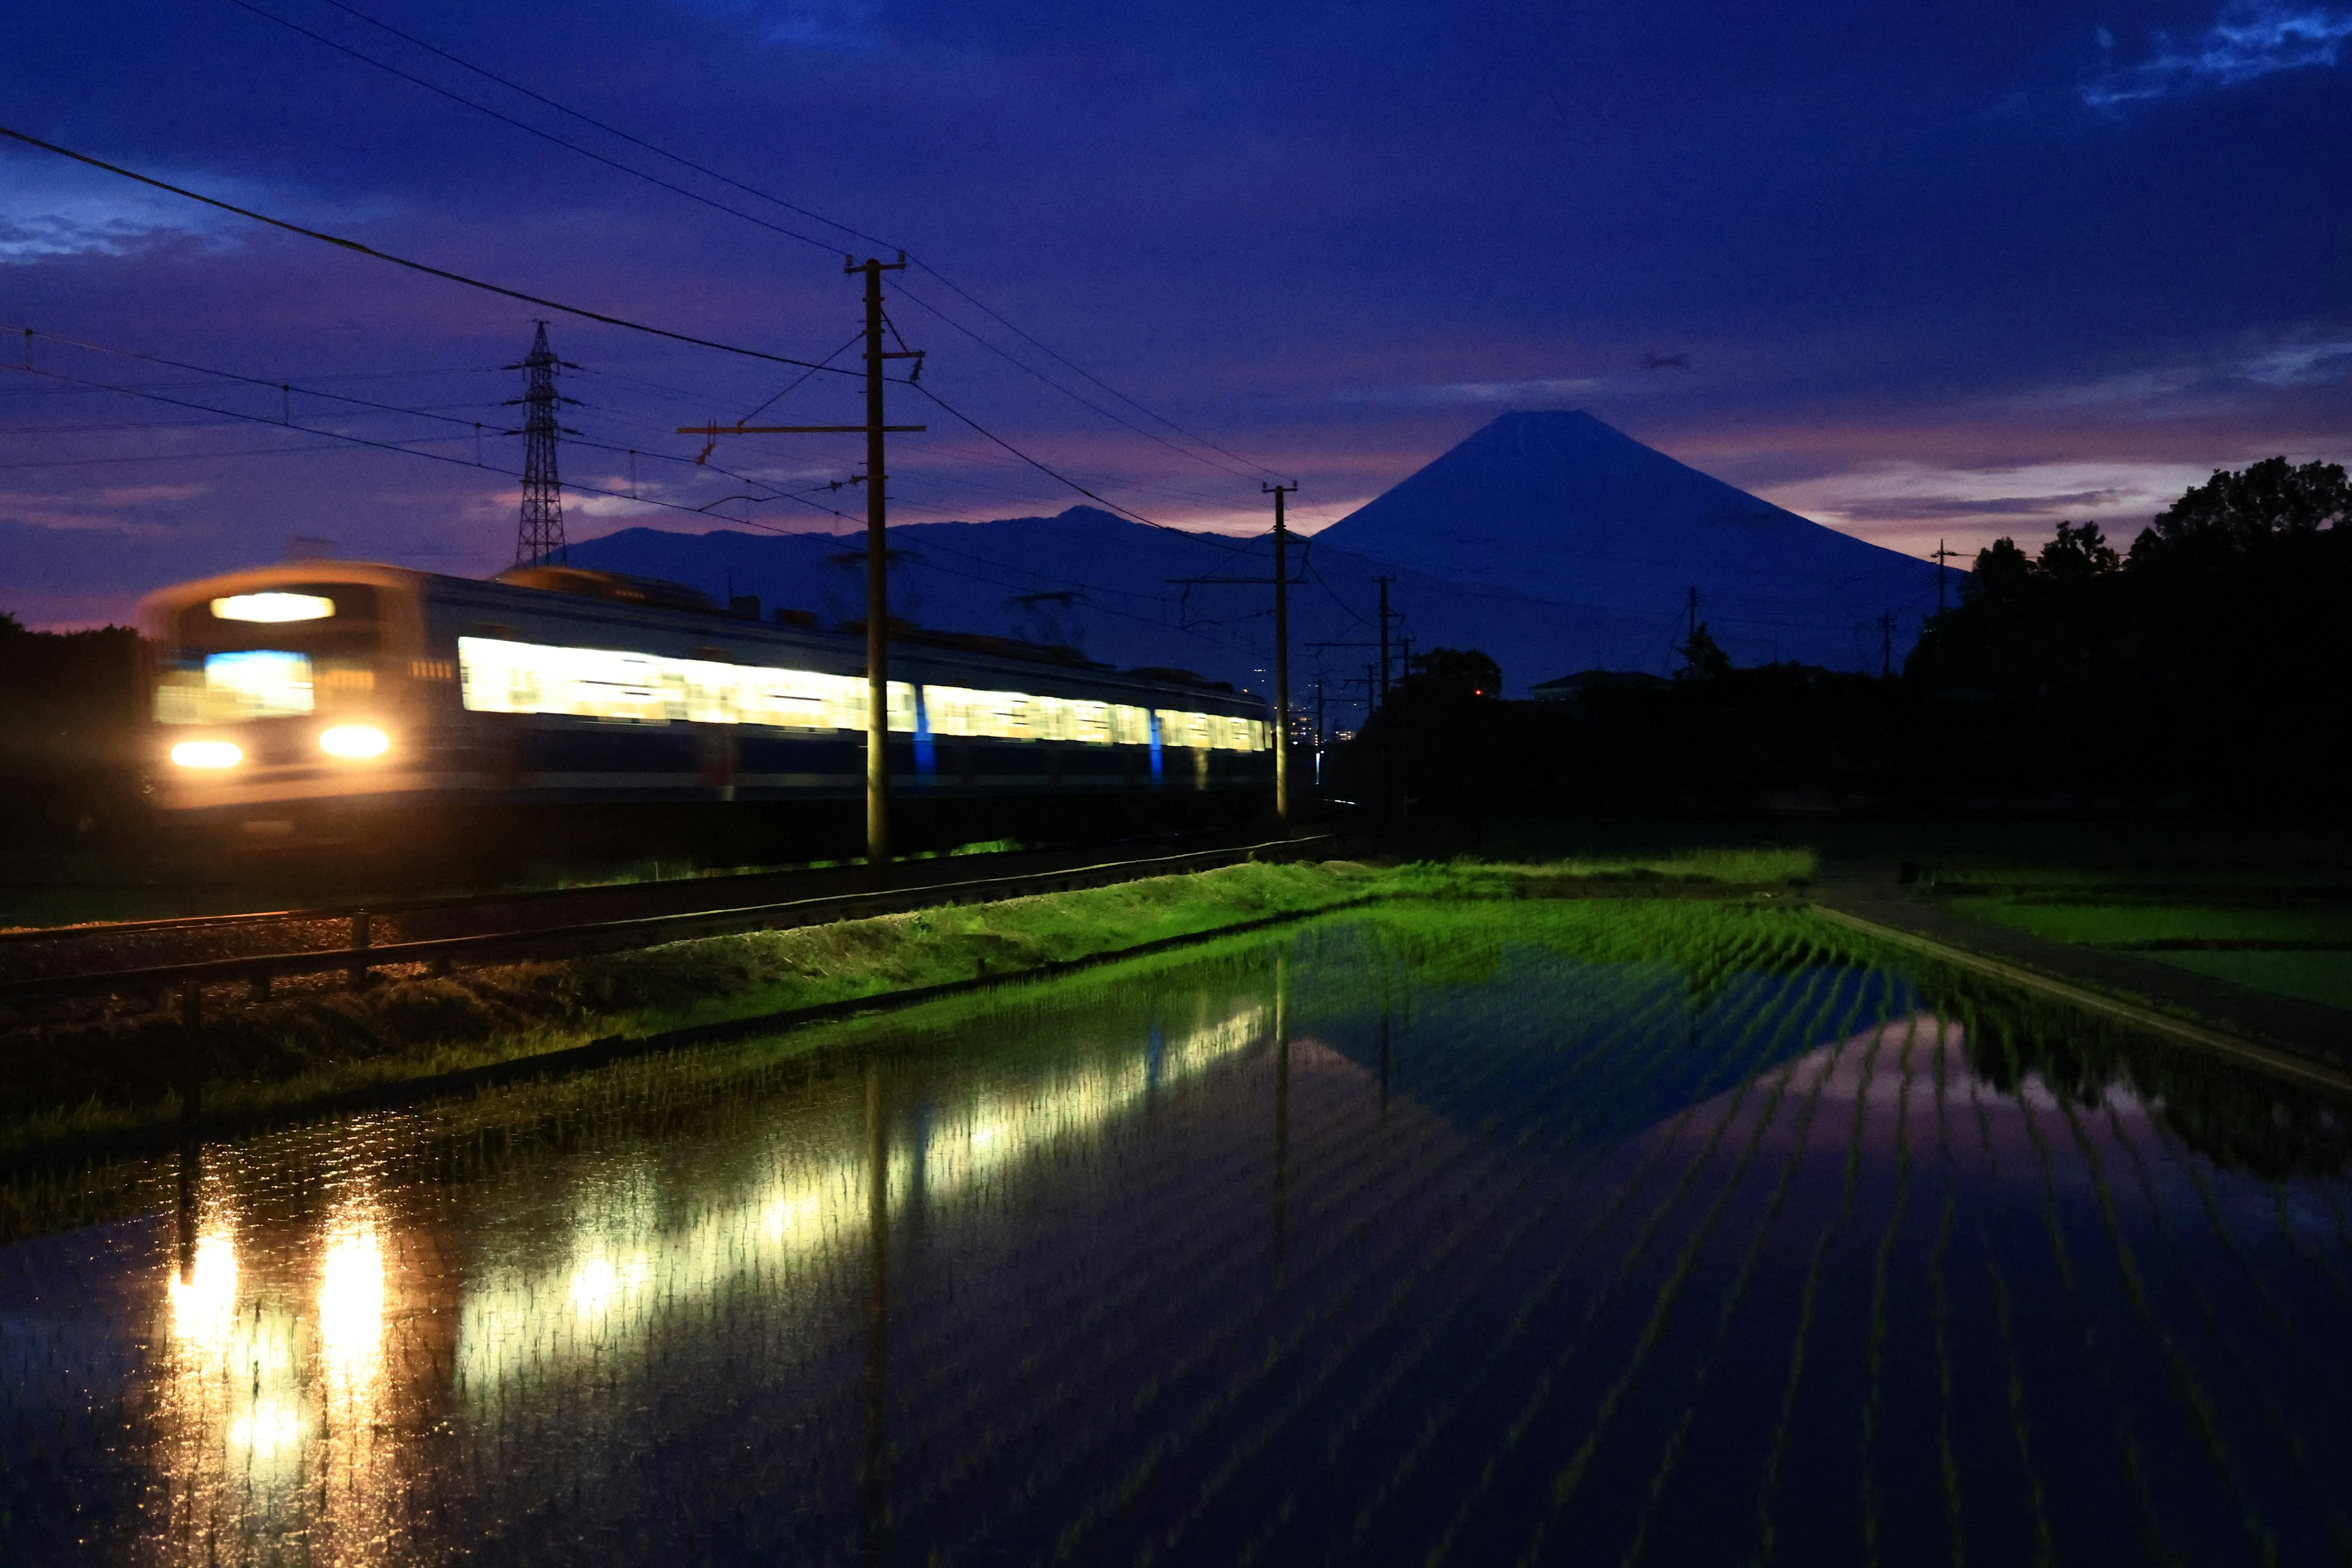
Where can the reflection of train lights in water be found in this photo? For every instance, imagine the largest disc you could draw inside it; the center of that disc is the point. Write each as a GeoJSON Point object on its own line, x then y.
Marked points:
{"type": "Point", "coordinates": [204, 1305]}
{"type": "Point", "coordinates": [351, 1308]}
{"type": "Point", "coordinates": [276, 1386]}
{"type": "Point", "coordinates": [626, 1266]}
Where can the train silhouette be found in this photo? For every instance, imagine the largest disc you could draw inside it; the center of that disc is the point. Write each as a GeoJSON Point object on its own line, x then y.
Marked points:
{"type": "Point", "coordinates": [324, 700]}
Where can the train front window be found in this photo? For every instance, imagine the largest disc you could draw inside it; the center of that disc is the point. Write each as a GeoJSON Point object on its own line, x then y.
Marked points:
{"type": "Point", "coordinates": [273, 655]}
{"type": "Point", "coordinates": [233, 687]}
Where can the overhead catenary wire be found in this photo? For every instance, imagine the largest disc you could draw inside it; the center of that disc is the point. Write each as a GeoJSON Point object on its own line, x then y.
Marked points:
{"type": "Point", "coordinates": [349, 440]}
{"type": "Point", "coordinates": [281, 384]}
{"type": "Point", "coordinates": [1257, 468]}
{"type": "Point", "coordinates": [336, 440]}
{"type": "Point", "coordinates": [414, 265]}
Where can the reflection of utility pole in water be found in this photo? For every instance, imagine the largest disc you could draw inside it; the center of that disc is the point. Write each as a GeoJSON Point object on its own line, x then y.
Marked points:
{"type": "Point", "coordinates": [873, 1475]}
{"type": "Point", "coordinates": [1281, 1110]}
{"type": "Point", "coordinates": [192, 1174]}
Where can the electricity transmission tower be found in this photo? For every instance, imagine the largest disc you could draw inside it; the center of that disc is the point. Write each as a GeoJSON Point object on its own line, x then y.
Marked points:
{"type": "Point", "coordinates": [539, 535]}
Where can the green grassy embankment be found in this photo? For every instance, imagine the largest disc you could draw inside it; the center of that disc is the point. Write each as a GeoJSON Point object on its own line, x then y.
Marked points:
{"type": "Point", "coordinates": [65, 1081]}
{"type": "Point", "coordinates": [2292, 946]}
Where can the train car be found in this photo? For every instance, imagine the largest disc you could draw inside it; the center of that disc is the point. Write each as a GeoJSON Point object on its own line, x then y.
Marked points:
{"type": "Point", "coordinates": [294, 696]}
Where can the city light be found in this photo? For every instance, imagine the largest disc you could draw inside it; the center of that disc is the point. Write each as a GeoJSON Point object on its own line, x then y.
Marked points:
{"type": "Point", "coordinates": [354, 742]}
{"type": "Point", "coordinates": [273, 607]}
{"type": "Point", "coordinates": [208, 754]}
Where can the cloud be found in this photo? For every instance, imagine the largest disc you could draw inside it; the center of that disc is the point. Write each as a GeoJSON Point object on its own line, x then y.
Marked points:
{"type": "Point", "coordinates": [1906, 505]}
{"type": "Point", "coordinates": [49, 207]}
{"type": "Point", "coordinates": [831, 27]}
{"type": "Point", "coordinates": [2198, 387]}
{"type": "Point", "coordinates": [1448, 394]}
{"type": "Point", "coordinates": [2249, 41]}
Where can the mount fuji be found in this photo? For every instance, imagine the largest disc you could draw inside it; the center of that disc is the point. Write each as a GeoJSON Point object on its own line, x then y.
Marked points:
{"type": "Point", "coordinates": [1548, 540]}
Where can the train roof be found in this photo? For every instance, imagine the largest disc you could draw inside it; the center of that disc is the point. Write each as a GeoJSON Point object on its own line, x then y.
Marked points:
{"type": "Point", "coordinates": [655, 604]}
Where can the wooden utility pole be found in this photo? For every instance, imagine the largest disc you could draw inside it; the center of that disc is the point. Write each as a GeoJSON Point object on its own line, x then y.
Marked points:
{"type": "Point", "coordinates": [1281, 580]}
{"type": "Point", "coordinates": [877, 556]}
{"type": "Point", "coordinates": [1941, 557]}
{"type": "Point", "coordinates": [878, 576]}
{"type": "Point", "coordinates": [1388, 720]}
{"type": "Point", "coordinates": [1281, 657]}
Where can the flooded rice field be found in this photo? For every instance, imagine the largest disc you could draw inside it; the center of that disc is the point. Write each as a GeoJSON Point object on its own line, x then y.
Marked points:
{"type": "Point", "coordinates": [1471, 1234]}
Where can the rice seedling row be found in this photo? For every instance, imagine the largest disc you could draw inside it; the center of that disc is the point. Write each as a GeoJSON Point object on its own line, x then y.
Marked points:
{"type": "Point", "coordinates": [1652, 1223]}
{"type": "Point", "coordinates": [1440, 1420]}
{"type": "Point", "coordinates": [1570, 1476]}
{"type": "Point", "coordinates": [2095, 1356]}
{"type": "Point", "coordinates": [2197, 1401]}
{"type": "Point", "coordinates": [1768, 1482]}
{"type": "Point", "coordinates": [1419, 1180]}
{"type": "Point", "coordinates": [2245, 1375]}
{"type": "Point", "coordinates": [1335, 1358]}
{"type": "Point", "coordinates": [1633, 1033]}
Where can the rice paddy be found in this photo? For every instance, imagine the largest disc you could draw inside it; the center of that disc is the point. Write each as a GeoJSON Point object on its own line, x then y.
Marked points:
{"type": "Point", "coordinates": [1419, 1234]}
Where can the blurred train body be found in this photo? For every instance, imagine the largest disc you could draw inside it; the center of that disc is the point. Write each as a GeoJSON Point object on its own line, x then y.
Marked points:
{"type": "Point", "coordinates": [343, 703]}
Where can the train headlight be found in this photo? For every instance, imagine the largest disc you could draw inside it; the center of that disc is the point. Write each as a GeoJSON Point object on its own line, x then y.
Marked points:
{"type": "Point", "coordinates": [354, 742]}
{"type": "Point", "coordinates": [208, 754]}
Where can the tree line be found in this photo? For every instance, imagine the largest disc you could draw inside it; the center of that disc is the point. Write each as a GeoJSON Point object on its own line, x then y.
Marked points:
{"type": "Point", "coordinates": [2206, 668]}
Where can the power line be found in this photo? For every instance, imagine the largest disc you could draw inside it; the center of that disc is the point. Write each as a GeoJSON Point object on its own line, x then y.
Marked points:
{"type": "Point", "coordinates": [1062, 479]}
{"type": "Point", "coordinates": [660, 151]}
{"type": "Point", "coordinates": [521, 125]}
{"type": "Point", "coordinates": [369, 250]}
{"type": "Point", "coordinates": [353, 440]}
{"type": "Point", "coordinates": [609, 130]}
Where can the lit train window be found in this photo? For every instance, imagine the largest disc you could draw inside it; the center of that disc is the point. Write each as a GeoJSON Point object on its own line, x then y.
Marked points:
{"type": "Point", "coordinates": [500, 677]}
{"type": "Point", "coordinates": [273, 607]}
{"type": "Point", "coordinates": [227, 688]}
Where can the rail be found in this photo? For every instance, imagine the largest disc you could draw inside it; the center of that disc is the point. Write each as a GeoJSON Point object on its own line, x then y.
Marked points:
{"type": "Point", "coordinates": [432, 903]}
{"type": "Point", "coordinates": [358, 960]}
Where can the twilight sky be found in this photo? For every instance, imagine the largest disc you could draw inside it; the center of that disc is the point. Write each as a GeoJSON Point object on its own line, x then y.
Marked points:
{"type": "Point", "coordinates": [1938, 272]}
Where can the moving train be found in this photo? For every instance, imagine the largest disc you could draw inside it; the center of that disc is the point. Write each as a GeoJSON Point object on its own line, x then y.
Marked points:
{"type": "Point", "coordinates": [320, 699]}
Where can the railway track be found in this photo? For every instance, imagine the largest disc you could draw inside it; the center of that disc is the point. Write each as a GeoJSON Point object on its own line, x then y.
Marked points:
{"type": "Point", "coordinates": [149, 961]}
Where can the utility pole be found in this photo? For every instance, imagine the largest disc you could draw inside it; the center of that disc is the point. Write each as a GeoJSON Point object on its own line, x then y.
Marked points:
{"type": "Point", "coordinates": [538, 533]}
{"type": "Point", "coordinates": [1940, 557]}
{"type": "Point", "coordinates": [1388, 720]}
{"type": "Point", "coordinates": [1319, 730]}
{"type": "Point", "coordinates": [1690, 621]}
{"type": "Point", "coordinates": [1384, 582]}
{"type": "Point", "coordinates": [1281, 580]}
{"type": "Point", "coordinates": [878, 576]}
{"type": "Point", "coordinates": [1886, 645]}
{"type": "Point", "coordinates": [1281, 658]}
{"type": "Point", "coordinates": [877, 558]}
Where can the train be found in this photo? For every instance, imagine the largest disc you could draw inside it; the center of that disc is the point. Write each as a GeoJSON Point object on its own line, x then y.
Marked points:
{"type": "Point", "coordinates": [327, 701]}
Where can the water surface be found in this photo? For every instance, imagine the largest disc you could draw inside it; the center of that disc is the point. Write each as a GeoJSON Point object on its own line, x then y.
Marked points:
{"type": "Point", "coordinates": [1481, 1235]}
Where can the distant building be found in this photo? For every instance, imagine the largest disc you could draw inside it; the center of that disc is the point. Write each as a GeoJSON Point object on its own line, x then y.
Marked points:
{"type": "Point", "coordinates": [1576, 687]}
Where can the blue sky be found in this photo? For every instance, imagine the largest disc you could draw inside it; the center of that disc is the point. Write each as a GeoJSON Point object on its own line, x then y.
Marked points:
{"type": "Point", "coordinates": [1937, 271]}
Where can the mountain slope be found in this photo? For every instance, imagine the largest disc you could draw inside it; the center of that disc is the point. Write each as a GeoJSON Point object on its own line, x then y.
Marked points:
{"type": "Point", "coordinates": [1563, 507]}
{"type": "Point", "coordinates": [1549, 540]}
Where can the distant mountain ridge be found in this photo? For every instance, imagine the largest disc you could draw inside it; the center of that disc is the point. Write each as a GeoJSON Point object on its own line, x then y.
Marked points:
{"type": "Point", "coordinates": [1549, 540]}
{"type": "Point", "coordinates": [1563, 506]}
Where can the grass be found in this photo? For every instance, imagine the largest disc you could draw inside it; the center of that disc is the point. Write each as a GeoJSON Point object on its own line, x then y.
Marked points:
{"type": "Point", "coordinates": [126, 1072]}
{"type": "Point", "coordinates": [64, 1081]}
{"type": "Point", "coordinates": [1766, 865]}
{"type": "Point", "coordinates": [2202, 937]}
{"type": "Point", "coordinates": [2322, 977]}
